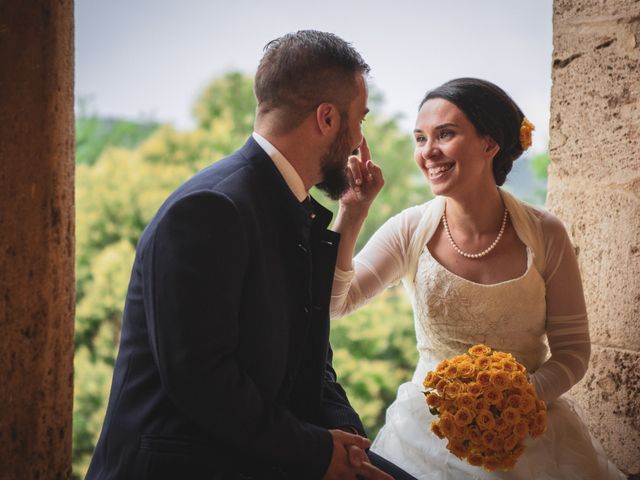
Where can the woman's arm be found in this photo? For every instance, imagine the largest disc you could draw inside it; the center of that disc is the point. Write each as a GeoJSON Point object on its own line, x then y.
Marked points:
{"type": "Point", "coordinates": [365, 182]}
{"type": "Point", "coordinates": [567, 324]}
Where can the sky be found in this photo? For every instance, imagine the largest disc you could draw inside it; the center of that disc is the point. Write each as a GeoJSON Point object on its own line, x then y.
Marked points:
{"type": "Point", "coordinates": [149, 59]}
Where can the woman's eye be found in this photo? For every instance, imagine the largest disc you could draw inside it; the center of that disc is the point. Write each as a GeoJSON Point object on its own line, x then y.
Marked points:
{"type": "Point", "coordinates": [446, 134]}
{"type": "Point", "coordinates": [420, 139]}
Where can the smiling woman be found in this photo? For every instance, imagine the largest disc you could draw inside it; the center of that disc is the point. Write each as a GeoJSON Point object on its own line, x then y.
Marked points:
{"type": "Point", "coordinates": [519, 287]}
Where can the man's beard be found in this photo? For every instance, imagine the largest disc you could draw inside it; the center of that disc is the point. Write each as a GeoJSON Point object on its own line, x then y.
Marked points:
{"type": "Point", "coordinates": [334, 166]}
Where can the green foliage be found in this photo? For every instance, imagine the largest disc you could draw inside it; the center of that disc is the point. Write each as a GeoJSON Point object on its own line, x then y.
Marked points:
{"type": "Point", "coordinates": [539, 166]}
{"type": "Point", "coordinates": [374, 352]}
{"type": "Point", "coordinates": [94, 134]}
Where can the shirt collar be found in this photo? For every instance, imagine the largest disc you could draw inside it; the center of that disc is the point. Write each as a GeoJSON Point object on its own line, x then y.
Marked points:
{"type": "Point", "coordinates": [285, 168]}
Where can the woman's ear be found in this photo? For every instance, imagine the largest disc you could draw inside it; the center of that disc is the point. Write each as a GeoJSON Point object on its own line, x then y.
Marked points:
{"type": "Point", "coordinates": [326, 118]}
{"type": "Point", "coordinates": [491, 146]}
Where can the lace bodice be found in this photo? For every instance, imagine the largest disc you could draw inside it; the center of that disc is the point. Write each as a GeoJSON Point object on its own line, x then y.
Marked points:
{"type": "Point", "coordinates": [452, 313]}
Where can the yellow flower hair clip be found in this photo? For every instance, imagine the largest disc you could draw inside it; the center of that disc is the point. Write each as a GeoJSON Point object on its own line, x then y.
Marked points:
{"type": "Point", "coordinates": [526, 127]}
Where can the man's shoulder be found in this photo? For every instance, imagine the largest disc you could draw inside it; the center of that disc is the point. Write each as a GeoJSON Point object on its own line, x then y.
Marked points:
{"type": "Point", "coordinates": [235, 176]}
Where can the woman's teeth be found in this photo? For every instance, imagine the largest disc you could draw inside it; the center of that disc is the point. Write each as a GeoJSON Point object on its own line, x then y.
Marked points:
{"type": "Point", "coordinates": [435, 172]}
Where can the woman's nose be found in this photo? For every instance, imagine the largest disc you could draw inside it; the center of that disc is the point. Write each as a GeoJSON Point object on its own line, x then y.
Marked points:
{"type": "Point", "coordinates": [430, 150]}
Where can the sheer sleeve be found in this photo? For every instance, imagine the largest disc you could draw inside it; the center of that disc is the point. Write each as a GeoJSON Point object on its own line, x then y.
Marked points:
{"type": "Point", "coordinates": [567, 325]}
{"type": "Point", "coordinates": [381, 263]}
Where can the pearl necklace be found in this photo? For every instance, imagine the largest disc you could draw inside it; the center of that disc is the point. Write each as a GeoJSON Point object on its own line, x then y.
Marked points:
{"type": "Point", "coordinates": [486, 250]}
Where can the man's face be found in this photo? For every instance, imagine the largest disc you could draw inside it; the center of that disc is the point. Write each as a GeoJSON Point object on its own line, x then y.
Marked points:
{"type": "Point", "coordinates": [349, 137]}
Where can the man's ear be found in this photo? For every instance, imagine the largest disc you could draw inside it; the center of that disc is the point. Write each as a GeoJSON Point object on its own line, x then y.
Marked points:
{"type": "Point", "coordinates": [327, 118]}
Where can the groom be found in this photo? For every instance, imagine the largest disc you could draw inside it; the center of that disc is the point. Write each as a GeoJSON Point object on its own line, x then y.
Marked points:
{"type": "Point", "coordinates": [224, 369]}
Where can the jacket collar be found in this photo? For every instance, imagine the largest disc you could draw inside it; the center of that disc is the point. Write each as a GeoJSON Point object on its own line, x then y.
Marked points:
{"type": "Point", "coordinates": [275, 186]}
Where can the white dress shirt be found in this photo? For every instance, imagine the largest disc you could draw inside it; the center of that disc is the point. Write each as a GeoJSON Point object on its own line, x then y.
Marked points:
{"type": "Point", "coordinates": [285, 168]}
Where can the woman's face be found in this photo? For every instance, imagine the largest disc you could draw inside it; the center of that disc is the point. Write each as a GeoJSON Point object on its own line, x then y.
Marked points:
{"type": "Point", "coordinates": [449, 151]}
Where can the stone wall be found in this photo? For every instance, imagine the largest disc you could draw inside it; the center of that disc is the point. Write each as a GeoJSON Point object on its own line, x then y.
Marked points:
{"type": "Point", "coordinates": [594, 187]}
{"type": "Point", "coordinates": [36, 239]}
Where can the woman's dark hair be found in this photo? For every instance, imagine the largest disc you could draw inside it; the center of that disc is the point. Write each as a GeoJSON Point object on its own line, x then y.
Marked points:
{"type": "Point", "coordinates": [492, 112]}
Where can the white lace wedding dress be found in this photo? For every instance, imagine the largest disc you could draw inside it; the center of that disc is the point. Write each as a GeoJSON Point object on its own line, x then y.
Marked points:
{"type": "Point", "coordinates": [544, 306]}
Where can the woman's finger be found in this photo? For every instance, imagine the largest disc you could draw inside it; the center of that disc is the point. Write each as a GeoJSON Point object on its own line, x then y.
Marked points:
{"type": "Point", "coordinates": [351, 180]}
{"type": "Point", "coordinates": [365, 154]}
{"type": "Point", "coordinates": [354, 167]}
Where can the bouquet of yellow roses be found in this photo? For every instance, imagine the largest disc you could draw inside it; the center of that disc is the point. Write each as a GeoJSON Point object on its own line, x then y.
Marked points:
{"type": "Point", "coordinates": [486, 407]}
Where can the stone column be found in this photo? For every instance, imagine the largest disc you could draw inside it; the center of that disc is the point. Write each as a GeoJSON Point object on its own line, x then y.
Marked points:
{"type": "Point", "coordinates": [36, 238]}
{"type": "Point", "coordinates": [594, 187]}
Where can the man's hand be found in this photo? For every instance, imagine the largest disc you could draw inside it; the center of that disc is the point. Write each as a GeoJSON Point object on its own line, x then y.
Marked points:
{"type": "Point", "coordinates": [349, 460]}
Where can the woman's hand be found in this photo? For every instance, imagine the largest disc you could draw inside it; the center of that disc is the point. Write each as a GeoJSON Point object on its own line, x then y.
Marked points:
{"type": "Point", "coordinates": [365, 182]}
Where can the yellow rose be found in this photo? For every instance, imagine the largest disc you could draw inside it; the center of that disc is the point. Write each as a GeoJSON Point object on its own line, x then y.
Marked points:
{"type": "Point", "coordinates": [446, 424]}
{"type": "Point", "coordinates": [483, 362]}
{"type": "Point", "coordinates": [501, 425]}
{"type": "Point", "coordinates": [496, 443]}
{"type": "Point", "coordinates": [527, 403]}
{"type": "Point", "coordinates": [485, 420]}
{"type": "Point", "coordinates": [511, 415]}
{"type": "Point", "coordinates": [442, 384]}
{"type": "Point", "coordinates": [519, 380]}
{"type": "Point", "coordinates": [458, 359]}
{"type": "Point", "coordinates": [467, 369]}
{"type": "Point", "coordinates": [442, 366]}
{"type": "Point", "coordinates": [458, 448]}
{"type": "Point", "coordinates": [500, 380]}
{"type": "Point", "coordinates": [431, 380]}
{"type": "Point", "coordinates": [465, 400]}
{"type": "Point", "coordinates": [463, 417]}
{"type": "Point", "coordinates": [474, 388]}
{"type": "Point", "coordinates": [451, 371]}
{"type": "Point", "coordinates": [493, 396]}
{"type": "Point", "coordinates": [510, 442]}
{"type": "Point", "coordinates": [503, 355]}
{"type": "Point", "coordinates": [508, 365]}
{"type": "Point", "coordinates": [488, 436]}
{"type": "Point", "coordinates": [521, 429]}
{"type": "Point", "coordinates": [434, 400]}
{"type": "Point", "coordinates": [461, 433]}
{"type": "Point", "coordinates": [449, 406]}
{"type": "Point", "coordinates": [479, 350]}
{"type": "Point", "coordinates": [435, 428]}
{"type": "Point", "coordinates": [491, 463]}
{"type": "Point", "coordinates": [514, 401]}
{"type": "Point", "coordinates": [541, 419]}
{"type": "Point", "coordinates": [481, 404]}
{"type": "Point", "coordinates": [453, 389]}
{"type": "Point", "coordinates": [475, 435]}
{"type": "Point", "coordinates": [476, 459]}
{"type": "Point", "coordinates": [526, 127]}
{"type": "Point", "coordinates": [484, 378]}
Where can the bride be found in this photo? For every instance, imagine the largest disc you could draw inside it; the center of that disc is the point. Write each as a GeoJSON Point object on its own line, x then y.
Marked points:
{"type": "Point", "coordinates": [480, 267]}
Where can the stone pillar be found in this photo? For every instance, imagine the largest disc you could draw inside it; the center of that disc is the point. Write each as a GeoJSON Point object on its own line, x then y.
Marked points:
{"type": "Point", "coordinates": [36, 238]}
{"type": "Point", "coordinates": [594, 187]}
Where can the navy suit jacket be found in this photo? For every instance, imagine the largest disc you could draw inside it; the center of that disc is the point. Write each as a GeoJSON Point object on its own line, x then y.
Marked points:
{"type": "Point", "coordinates": [224, 368]}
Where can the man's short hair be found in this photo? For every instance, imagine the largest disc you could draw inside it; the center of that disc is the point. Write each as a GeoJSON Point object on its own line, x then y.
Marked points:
{"type": "Point", "coordinates": [301, 70]}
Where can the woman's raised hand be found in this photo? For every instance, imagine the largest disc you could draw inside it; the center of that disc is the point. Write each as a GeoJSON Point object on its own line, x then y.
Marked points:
{"type": "Point", "coordinates": [365, 181]}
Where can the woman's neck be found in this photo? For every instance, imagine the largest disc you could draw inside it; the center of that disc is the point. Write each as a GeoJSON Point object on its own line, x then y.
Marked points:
{"type": "Point", "coordinates": [477, 213]}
